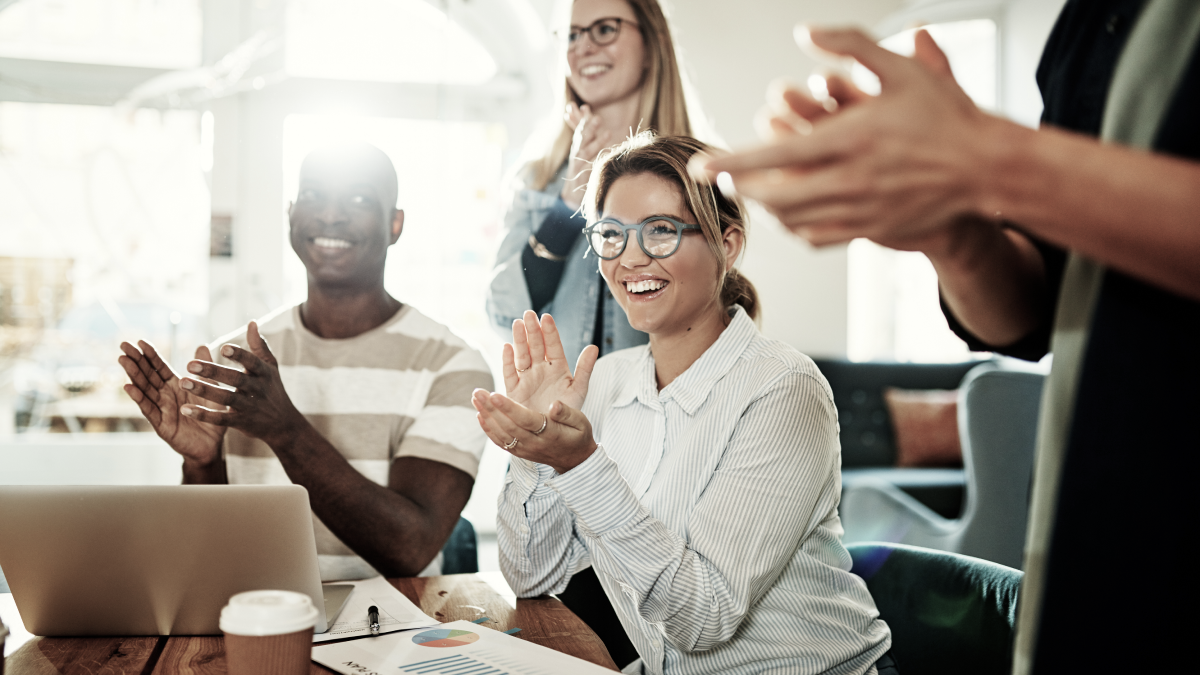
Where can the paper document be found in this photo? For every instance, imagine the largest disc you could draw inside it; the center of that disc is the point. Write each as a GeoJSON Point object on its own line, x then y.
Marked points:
{"type": "Point", "coordinates": [396, 612]}
{"type": "Point", "coordinates": [452, 648]}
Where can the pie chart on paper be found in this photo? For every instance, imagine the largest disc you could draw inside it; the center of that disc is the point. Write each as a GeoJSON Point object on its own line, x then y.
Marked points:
{"type": "Point", "coordinates": [445, 638]}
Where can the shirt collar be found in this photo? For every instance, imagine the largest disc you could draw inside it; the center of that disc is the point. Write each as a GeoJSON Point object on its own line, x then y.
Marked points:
{"type": "Point", "coordinates": [691, 389]}
{"type": "Point", "coordinates": [641, 383]}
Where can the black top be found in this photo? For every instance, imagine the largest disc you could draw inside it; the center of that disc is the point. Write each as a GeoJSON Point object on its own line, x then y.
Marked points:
{"type": "Point", "coordinates": [1116, 576]}
{"type": "Point", "coordinates": [559, 231]}
{"type": "Point", "coordinates": [558, 234]}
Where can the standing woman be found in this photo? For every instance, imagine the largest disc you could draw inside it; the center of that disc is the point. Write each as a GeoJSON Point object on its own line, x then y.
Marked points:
{"type": "Point", "coordinates": [699, 476]}
{"type": "Point", "coordinates": [622, 75]}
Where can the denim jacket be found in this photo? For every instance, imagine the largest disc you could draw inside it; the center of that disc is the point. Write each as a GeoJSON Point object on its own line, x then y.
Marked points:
{"type": "Point", "coordinates": [574, 303]}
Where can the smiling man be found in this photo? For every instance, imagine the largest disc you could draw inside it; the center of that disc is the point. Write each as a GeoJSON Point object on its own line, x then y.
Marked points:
{"type": "Point", "coordinates": [358, 397]}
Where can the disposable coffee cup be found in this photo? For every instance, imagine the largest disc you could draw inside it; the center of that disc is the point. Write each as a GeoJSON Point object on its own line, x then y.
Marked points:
{"type": "Point", "coordinates": [268, 633]}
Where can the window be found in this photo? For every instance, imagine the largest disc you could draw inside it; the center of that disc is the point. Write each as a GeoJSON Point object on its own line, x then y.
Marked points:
{"type": "Point", "coordinates": [103, 238]}
{"type": "Point", "coordinates": [894, 312]}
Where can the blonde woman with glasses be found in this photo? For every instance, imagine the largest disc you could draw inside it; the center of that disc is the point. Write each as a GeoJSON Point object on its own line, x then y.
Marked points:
{"type": "Point", "coordinates": [698, 475]}
{"type": "Point", "coordinates": [622, 75]}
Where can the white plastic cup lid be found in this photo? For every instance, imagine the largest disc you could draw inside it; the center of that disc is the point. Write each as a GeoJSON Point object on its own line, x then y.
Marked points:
{"type": "Point", "coordinates": [268, 613]}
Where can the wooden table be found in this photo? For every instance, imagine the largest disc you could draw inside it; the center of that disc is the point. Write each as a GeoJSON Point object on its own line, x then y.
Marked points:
{"type": "Point", "coordinates": [545, 621]}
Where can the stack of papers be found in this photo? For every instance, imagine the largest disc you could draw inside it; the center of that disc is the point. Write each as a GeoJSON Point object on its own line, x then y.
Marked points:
{"type": "Point", "coordinates": [396, 612]}
{"type": "Point", "coordinates": [450, 649]}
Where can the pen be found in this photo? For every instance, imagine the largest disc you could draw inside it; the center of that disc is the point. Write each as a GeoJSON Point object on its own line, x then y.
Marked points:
{"type": "Point", "coordinates": [373, 619]}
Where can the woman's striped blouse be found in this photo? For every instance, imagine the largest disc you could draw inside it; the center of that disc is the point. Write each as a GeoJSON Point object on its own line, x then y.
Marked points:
{"type": "Point", "coordinates": [709, 513]}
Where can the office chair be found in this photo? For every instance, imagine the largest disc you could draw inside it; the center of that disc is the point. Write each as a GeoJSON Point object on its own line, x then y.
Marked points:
{"type": "Point", "coordinates": [997, 420]}
{"type": "Point", "coordinates": [948, 613]}
{"type": "Point", "coordinates": [460, 555]}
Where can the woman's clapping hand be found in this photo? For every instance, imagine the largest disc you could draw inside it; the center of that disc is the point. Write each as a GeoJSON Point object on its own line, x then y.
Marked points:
{"type": "Point", "coordinates": [591, 137]}
{"type": "Point", "coordinates": [539, 420]}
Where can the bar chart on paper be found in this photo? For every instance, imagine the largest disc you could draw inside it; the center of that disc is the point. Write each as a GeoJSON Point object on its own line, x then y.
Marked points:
{"type": "Point", "coordinates": [484, 664]}
{"type": "Point", "coordinates": [457, 648]}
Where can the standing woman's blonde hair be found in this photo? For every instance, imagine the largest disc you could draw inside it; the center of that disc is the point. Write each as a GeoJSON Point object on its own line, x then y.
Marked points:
{"type": "Point", "coordinates": [667, 157]}
{"type": "Point", "coordinates": [663, 107]}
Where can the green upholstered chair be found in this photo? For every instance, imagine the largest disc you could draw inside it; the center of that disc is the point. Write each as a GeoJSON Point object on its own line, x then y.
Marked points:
{"type": "Point", "coordinates": [460, 555]}
{"type": "Point", "coordinates": [948, 613]}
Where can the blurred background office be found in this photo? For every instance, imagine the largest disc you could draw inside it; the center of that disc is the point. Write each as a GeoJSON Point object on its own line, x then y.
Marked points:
{"type": "Point", "coordinates": [149, 148]}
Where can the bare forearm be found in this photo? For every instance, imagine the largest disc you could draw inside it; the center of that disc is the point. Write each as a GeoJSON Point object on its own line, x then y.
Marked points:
{"type": "Point", "coordinates": [398, 529]}
{"type": "Point", "coordinates": [1134, 211]}
{"type": "Point", "coordinates": [397, 534]}
{"type": "Point", "coordinates": [212, 473]}
{"type": "Point", "coordinates": [994, 281]}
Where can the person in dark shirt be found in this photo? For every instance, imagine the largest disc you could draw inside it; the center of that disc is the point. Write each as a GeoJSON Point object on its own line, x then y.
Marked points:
{"type": "Point", "coordinates": [1045, 241]}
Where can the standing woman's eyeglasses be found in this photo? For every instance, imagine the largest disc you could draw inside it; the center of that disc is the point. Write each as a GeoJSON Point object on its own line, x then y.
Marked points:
{"type": "Point", "coordinates": [659, 236]}
{"type": "Point", "coordinates": [602, 31]}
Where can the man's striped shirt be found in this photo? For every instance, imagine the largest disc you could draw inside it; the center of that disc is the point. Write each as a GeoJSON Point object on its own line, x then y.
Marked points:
{"type": "Point", "coordinates": [402, 389]}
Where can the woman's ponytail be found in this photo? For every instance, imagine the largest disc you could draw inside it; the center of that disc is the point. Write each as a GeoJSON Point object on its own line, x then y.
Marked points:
{"type": "Point", "coordinates": [737, 290]}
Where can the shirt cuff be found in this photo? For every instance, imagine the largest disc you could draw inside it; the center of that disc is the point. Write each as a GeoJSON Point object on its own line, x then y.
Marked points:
{"type": "Point", "coordinates": [560, 229]}
{"type": "Point", "coordinates": [597, 494]}
{"type": "Point", "coordinates": [530, 477]}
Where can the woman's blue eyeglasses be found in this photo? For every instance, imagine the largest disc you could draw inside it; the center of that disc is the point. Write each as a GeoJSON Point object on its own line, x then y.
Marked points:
{"type": "Point", "coordinates": [659, 236]}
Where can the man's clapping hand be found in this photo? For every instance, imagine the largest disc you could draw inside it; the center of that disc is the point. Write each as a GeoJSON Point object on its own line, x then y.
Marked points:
{"type": "Point", "coordinates": [158, 392]}
{"type": "Point", "coordinates": [898, 168]}
{"type": "Point", "coordinates": [252, 401]}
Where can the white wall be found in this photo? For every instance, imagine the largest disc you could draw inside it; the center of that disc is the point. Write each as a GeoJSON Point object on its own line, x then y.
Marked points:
{"type": "Point", "coordinates": [733, 50]}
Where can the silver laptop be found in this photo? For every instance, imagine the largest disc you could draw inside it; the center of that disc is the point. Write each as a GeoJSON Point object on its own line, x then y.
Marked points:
{"type": "Point", "coordinates": [161, 560]}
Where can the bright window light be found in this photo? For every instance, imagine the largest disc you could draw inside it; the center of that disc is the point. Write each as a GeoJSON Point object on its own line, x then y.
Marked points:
{"type": "Point", "coordinates": [103, 237]}
{"type": "Point", "coordinates": [158, 34]}
{"type": "Point", "coordinates": [971, 47]}
{"type": "Point", "coordinates": [206, 141]}
{"type": "Point", "coordinates": [119, 193]}
{"type": "Point", "coordinates": [449, 174]}
{"type": "Point", "coordinates": [894, 312]}
{"type": "Point", "coordinates": [382, 41]}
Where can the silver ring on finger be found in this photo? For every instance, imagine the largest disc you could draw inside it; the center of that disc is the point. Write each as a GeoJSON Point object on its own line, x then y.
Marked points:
{"type": "Point", "coordinates": [512, 444]}
{"type": "Point", "coordinates": [521, 370]}
{"type": "Point", "coordinates": [544, 423]}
